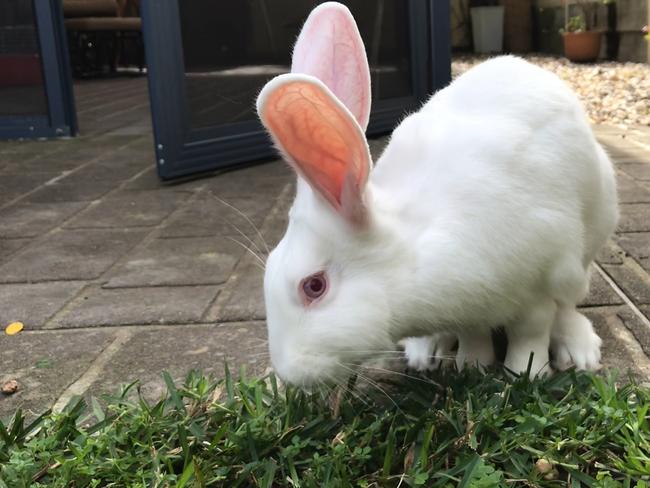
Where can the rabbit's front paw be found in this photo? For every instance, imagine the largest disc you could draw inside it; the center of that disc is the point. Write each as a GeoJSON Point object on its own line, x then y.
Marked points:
{"type": "Point", "coordinates": [574, 342]}
{"type": "Point", "coordinates": [426, 353]}
{"type": "Point", "coordinates": [529, 340]}
{"type": "Point", "coordinates": [475, 350]}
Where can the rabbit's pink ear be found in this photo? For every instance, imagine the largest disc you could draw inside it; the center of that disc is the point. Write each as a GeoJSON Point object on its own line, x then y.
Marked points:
{"type": "Point", "coordinates": [320, 139]}
{"type": "Point", "coordinates": [330, 48]}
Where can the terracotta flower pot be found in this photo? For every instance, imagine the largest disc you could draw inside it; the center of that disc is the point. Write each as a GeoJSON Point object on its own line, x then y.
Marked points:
{"type": "Point", "coordinates": [582, 46]}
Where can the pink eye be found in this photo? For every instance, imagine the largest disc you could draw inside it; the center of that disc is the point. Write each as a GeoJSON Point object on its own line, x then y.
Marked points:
{"type": "Point", "coordinates": [313, 287]}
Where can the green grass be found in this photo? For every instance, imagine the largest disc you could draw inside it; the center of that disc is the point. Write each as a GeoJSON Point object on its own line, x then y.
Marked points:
{"type": "Point", "coordinates": [449, 429]}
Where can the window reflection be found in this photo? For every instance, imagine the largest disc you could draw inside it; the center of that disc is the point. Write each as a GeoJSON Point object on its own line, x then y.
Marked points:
{"type": "Point", "coordinates": [231, 48]}
{"type": "Point", "coordinates": [21, 75]}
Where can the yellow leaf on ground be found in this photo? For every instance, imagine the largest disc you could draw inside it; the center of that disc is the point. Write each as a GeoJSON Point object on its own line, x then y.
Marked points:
{"type": "Point", "coordinates": [14, 328]}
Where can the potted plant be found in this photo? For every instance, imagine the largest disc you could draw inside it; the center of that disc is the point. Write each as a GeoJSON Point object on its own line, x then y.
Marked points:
{"type": "Point", "coordinates": [581, 39]}
{"type": "Point", "coordinates": [487, 25]}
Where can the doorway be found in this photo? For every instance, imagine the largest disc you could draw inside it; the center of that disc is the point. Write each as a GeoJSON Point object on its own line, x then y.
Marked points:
{"type": "Point", "coordinates": [36, 97]}
{"type": "Point", "coordinates": [208, 59]}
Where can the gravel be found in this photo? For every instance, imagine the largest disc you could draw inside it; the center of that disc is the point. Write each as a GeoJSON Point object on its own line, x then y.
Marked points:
{"type": "Point", "coordinates": [613, 93]}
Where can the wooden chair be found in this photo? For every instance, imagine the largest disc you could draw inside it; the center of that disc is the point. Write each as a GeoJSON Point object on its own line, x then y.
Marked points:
{"type": "Point", "coordinates": [98, 29]}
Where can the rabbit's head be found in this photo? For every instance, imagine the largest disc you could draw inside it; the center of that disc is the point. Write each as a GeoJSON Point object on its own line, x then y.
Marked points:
{"type": "Point", "coordinates": [327, 284]}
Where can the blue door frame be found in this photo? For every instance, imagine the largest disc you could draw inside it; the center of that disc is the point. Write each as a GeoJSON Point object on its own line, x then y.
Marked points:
{"type": "Point", "coordinates": [182, 150]}
{"type": "Point", "coordinates": [61, 120]}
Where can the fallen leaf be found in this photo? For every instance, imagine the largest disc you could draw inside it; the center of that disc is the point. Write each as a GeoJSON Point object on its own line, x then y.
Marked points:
{"type": "Point", "coordinates": [216, 394]}
{"type": "Point", "coordinates": [335, 402]}
{"type": "Point", "coordinates": [200, 350]}
{"type": "Point", "coordinates": [10, 387]}
{"type": "Point", "coordinates": [409, 458]}
{"type": "Point", "coordinates": [339, 438]}
{"type": "Point", "coordinates": [14, 328]}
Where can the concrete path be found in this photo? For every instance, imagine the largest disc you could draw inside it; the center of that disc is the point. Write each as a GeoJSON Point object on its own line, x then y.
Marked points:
{"type": "Point", "coordinates": [118, 277]}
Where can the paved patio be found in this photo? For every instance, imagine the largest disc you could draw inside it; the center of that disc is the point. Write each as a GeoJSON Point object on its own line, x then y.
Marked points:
{"type": "Point", "coordinates": [117, 276]}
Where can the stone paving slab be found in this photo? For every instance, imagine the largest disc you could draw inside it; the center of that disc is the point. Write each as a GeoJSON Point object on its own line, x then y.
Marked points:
{"type": "Point", "coordinates": [144, 142]}
{"type": "Point", "coordinates": [60, 157]}
{"type": "Point", "coordinates": [243, 295]}
{"type": "Point", "coordinates": [45, 364]}
{"type": "Point", "coordinates": [636, 326]}
{"type": "Point", "coordinates": [634, 218]}
{"type": "Point", "coordinates": [126, 159]}
{"type": "Point", "coordinates": [14, 185]}
{"type": "Point", "coordinates": [10, 246]}
{"type": "Point", "coordinates": [633, 283]}
{"type": "Point", "coordinates": [639, 171]}
{"type": "Point", "coordinates": [600, 293]}
{"type": "Point", "coordinates": [250, 182]}
{"type": "Point", "coordinates": [132, 306]}
{"type": "Point", "coordinates": [69, 255]}
{"type": "Point", "coordinates": [177, 262]}
{"type": "Point", "coordinates": [130, 209]}
{"type": "Point", "coordinates": [208, 216]}
{"type": "Point", "coordinates": [106, 171]}
{"type": "Point", "coordinates": [18, 149]}
{"type": "Point", "coordinates": [67, 184]}
{"type": "Point", "coordinates": [645, 264]}
{"type": "Point", "coordinates": [631, 151]}
{"type": "Point", "coordinates": [622, 150]}
{"type": "Point", "coordinates": [645, 310]}
{"type": "Point", "coordinates": [623, 156]}
{"type": "Point", "coordinates": [243, 298]}
{"type": "Point", "coordinates": [31, 220]}
{"type": "Point", "coordinates": [630, 191]}
{"type": "Point", "coordinates": [610, 254]}
{"type": "Point", "coordinates": [71, 191]}
{"type": "Point", "coordinates": [177, 350]}
{"type": "Point", "coordinates": [59, 163]}
{"type": "Point", "coordinates": [147, 180]}
{"type": "Point", "coordinates": [635, 244]}
{"type": "Point", "coordinates": [620, 351]}
{"type": "Point", "coordinates": [33, 304]}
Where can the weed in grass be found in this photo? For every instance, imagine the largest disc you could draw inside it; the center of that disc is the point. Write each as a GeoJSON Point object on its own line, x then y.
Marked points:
{"type": "Point", "coordinates": [449, 429]}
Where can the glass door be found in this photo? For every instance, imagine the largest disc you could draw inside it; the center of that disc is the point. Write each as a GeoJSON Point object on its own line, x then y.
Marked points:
{"type": "Point", "coordinates": [208, 59]}
{"type": "Point", "coordinates": [36, 97]}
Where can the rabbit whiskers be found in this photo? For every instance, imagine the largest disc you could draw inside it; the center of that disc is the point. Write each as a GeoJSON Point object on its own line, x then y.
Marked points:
{"type": "Point", "coordinates": [251, 246]}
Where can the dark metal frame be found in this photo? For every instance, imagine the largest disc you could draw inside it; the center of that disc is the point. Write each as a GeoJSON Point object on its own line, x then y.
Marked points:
{"type": "Point", "coordinates": [61, 119]}
{"type": "Point", "coordinates": [440, 37]}
{"type": "Point", "coordinates": [181, 151]}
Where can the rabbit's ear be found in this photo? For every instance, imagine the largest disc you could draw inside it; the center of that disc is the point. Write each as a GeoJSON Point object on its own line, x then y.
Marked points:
{"type": "Point", "coordinates": [320, 139]}
{"type": "Point", "coordinates": [330, 48]}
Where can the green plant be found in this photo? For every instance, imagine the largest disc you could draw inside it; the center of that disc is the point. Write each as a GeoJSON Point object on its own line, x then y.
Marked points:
{"type": "Point", "coordinates": [588, 18]}
{"type": "Point", "coordinates": [576, 24]}
{"type": "Point", "coordinates": [443, 430]}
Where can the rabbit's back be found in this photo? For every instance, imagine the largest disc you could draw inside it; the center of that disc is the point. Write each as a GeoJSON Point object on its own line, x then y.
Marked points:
{"type": "Point", "coordinates": [505, 137]}
{"type": "Point", "coordinates": [508, 86]}
{"type": "Point", "coordinates": [500, 175]}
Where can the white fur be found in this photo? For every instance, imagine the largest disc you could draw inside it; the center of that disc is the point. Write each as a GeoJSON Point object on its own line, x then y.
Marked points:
{"type": "Point", "coordinates": [429, 352]}
{"type": "Point", "coordinates": [486, 209]}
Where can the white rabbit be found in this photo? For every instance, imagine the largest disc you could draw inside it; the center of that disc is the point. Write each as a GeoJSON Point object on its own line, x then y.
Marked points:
{"type": "Point", "coordinates": [486, 209]}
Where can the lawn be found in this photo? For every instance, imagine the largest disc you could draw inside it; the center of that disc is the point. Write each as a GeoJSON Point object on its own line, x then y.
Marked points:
{"type": "Point", "coordinates": [446, 429]}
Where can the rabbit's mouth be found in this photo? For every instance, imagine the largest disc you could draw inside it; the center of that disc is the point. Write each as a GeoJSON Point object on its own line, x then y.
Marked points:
{"type": "Point", "coordinates": [311, 371]}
